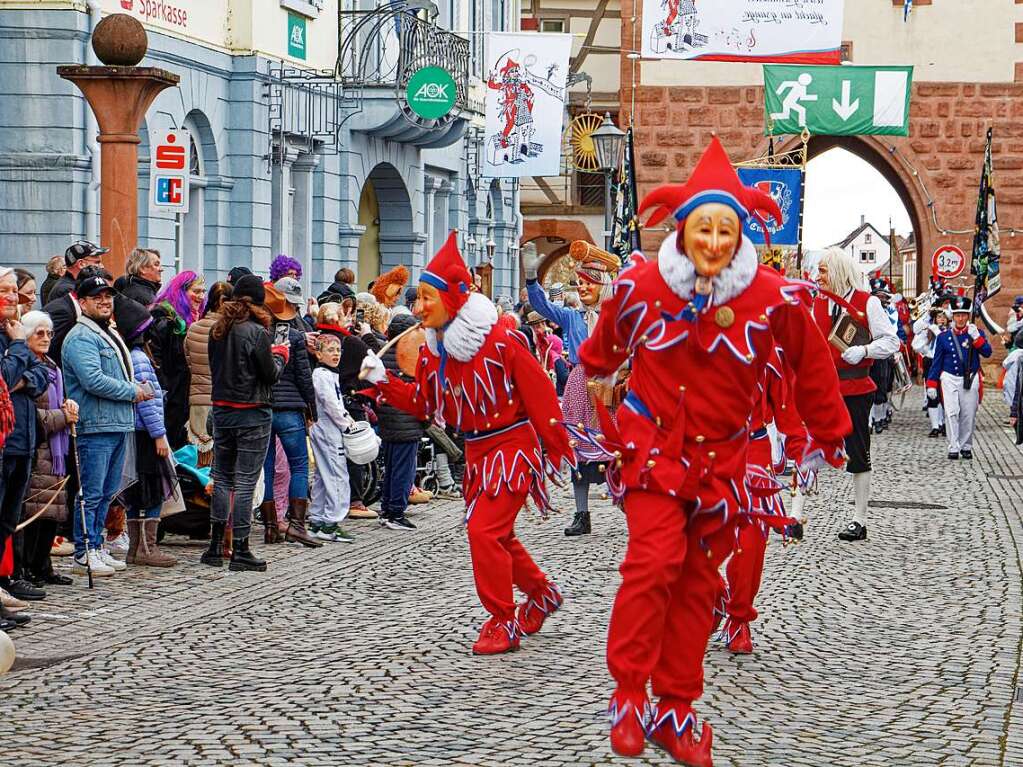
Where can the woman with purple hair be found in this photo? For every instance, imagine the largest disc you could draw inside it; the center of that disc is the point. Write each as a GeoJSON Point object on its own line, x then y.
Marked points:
{"type": "Point", "coordinates": [285, 266]}
{"type": "Point", "coordinates": [175, 308]}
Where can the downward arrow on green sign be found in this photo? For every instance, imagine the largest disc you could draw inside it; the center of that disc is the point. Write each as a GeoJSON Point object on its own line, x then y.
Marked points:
{"type": "Point", "coordinates": [837, 101]}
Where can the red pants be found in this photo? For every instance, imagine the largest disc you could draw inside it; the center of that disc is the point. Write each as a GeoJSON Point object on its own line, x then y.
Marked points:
{"type": "Point", "coordinates": [663, 614]}
{"type": "Point", "coordinates": [744, 570]}
{"type": "Point", "coordinates": [498, 558]}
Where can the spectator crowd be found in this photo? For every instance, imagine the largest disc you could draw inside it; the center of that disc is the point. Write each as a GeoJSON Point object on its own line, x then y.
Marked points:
{"type": "Point", "coordinates": [150, 404]}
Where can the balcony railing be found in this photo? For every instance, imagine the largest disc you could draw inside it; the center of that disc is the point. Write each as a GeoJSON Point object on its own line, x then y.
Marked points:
{"type": "Point", "coordinates": [386, 46]}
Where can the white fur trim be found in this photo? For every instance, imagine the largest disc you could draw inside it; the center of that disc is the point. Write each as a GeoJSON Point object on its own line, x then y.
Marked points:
{"type": "Point", "coordinates": [680, 274]}
{"type": "Point", "coordinates": [467, 332]}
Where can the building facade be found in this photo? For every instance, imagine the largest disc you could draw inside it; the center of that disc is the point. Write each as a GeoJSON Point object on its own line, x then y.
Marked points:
{"type": "Point", "coordinates": [968, 77]}
{"type": "Point", "coordinates": [302, 140]}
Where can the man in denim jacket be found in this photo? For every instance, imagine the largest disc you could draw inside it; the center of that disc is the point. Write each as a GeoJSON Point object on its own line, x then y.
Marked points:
{"type": "Point", "coordinates": [98, 375]}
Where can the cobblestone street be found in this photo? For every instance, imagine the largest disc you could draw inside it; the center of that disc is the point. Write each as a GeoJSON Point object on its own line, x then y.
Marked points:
{"type": "Point", "coordinates": [903, 650]}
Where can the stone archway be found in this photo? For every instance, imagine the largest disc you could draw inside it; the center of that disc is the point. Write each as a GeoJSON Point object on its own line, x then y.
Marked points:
{"type": "Point", "coordinates": [385, 209]}
{"type": "Point", "coordinates": [552, 237]}
{"type": "Point", "coordinates": [897, 174]}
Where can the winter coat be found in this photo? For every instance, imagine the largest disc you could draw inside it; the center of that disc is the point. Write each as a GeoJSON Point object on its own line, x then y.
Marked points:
{"type": "Point", "coordinates": [242, 365]}
{"type": "Point", "coordinates": [294, 389]}
{"type": "Point", "coordinates": [62, 287]}
{"type": "Point", "coordinates": [197, 356]}
{"type": "Point", "coordinates": [394, 425]}
{"type": "Point", "coordinates": [45, 288]}
{"type": "Point", "coordinates": [167, 343]}
{"type": "Point", "coordinates": [148, 414]}
{"type": "Point", "coordinates": [41, 488]}
{"type": "Point", "coordinates": [64, 313]}
{"type": "Point", "coordinates": [19, 364]}
{"type": "Point", "coordinates": [138, 289]}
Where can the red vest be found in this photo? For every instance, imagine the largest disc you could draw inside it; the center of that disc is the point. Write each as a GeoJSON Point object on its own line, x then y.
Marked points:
{"type": "Point", "coordinates": [852, 379]}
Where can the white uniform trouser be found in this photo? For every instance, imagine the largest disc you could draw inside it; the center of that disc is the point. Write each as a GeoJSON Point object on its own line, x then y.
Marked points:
{"type": "Point", "coordinates": [960, 410]}
{"type": "Point", "coordinates": [937, 416]}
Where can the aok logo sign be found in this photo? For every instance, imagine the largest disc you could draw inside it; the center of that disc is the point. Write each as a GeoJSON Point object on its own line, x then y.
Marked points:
{"type": "Point", "coordinates": [431, 92]}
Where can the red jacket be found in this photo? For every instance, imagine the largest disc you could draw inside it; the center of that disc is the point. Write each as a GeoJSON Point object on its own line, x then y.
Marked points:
{"type": "Point", "coordinates": [506, 406]}
{"type": "Point", "coordinates": [852, 379]}
{"type": "Point", "coordinates": [683, 428]}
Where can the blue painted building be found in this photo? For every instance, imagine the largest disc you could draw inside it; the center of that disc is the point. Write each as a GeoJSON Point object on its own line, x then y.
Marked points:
{"type": "Point", "coordinates": [297, 151]}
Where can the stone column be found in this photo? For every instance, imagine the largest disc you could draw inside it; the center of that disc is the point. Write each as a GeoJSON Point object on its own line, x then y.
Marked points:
{"type": "Point", "coordinates": [280, 201]}
{"type": "Point", "coordinates": [302, 172]}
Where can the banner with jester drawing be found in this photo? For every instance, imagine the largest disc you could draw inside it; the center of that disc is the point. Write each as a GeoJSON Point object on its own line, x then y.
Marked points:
{"type": "Point", "coordinates": [795, 31]}
{"type": "Point", "coordinates": [525, 110]}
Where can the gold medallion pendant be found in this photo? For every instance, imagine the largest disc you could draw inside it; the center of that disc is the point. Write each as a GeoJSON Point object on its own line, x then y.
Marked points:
{"type": "Point", "coordinates": [724, 317]}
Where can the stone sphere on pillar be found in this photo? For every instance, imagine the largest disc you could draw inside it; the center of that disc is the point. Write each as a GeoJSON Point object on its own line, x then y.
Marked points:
{"type": "Point", "coordinates": [119, 40]}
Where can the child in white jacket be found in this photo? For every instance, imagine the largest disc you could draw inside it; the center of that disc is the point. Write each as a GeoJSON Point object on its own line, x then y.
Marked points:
{"type": "Point", "coordinates": [330, 492]}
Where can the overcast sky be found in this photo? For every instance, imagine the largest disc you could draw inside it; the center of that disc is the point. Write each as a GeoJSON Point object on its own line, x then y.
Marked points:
{"type": "Point", "coordinates": [840, 187]}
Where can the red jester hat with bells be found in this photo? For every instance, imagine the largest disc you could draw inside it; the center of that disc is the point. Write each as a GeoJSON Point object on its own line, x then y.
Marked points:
{"type": "Point", "coordinates": [714, 180]}
{"type": "Point", "coordinates": [448, 273]}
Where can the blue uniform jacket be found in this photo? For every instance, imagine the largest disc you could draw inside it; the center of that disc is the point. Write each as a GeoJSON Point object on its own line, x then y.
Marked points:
{"type": "Point", "coordinates": [569, 320]}
{"type": "Point", "coordinates": [947, 361]}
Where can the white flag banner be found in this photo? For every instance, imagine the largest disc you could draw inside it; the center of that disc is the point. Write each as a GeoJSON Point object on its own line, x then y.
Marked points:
{"type": "Point", "coordinates": [526, 77]}
{"type": "Point", "coordinates": [800, 32]}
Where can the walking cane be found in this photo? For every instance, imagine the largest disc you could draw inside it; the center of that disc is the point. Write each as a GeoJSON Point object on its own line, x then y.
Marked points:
{"type": "Point", "coordinates": [80, 502]}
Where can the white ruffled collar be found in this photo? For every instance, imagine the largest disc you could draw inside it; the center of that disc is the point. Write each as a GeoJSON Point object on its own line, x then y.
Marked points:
{"type": "Point", "coordinates": [465, 334]}
{"type": "Point", "coordinates": [679, 273]}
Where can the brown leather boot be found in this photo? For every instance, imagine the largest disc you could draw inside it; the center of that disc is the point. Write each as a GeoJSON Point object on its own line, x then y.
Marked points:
{"type": "Point", "coordinates": [271, 532]}
{"type": "Point", "coordinates": [149, 553]}
{"type": "Point", "coordinates": [134, 538]}
{"type": "Point", "coordinates": [296, 524]}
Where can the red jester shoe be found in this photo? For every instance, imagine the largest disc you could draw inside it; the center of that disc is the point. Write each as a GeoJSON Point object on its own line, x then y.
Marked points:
{"type": "Point", "coordinates": [497, 637]}
{"type": "Point", "coordinates": [628, 714]}
{"type": "Point", "coordinates": [538, 607]}
{"type": "Point", "coordinates": [674, 730]}
{"type": "Point", "coordinates": [738, 637]}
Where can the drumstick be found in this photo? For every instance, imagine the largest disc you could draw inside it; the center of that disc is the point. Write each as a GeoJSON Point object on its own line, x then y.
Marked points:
{"type": "Point", "coordinates": [392, 342]}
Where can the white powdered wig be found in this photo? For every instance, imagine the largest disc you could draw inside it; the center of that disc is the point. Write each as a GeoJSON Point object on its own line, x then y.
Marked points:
{"type": "Point", "coordinates": [843, 274]}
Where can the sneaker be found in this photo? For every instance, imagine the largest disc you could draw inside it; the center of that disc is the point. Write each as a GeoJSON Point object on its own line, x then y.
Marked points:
{"type": "Point", "coordinates": [108, 559]}
{"type": "Point", "coordinates": [398, 523]}
{"type": "Point", "coordinates": [359, 511]}
{"type": "Point", "coordinates": [334, 534]}
{"type": "Point", "coordinates": [99, 568]}
{"type": "Point", "coordinates": [314, 528]}
{"type": "Point", "coordinates": [118, 547]}
{"type": "Point", "coordinates": [61, 548]}
{"type": "Point", "coordinates": [451, 493]}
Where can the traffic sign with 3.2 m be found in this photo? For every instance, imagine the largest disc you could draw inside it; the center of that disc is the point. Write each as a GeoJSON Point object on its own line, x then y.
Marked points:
{"type": "Point", "coordinates": [837, 101]}
{"type": "Point", "coordinates": [948, 262]}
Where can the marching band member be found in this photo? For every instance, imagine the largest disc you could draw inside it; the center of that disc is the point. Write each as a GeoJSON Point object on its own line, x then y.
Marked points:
{"type": "Point", "coordinates": [881, 370]}
{"type": "Point", "coordinates": [699, 323]}
{"type": "Point", "coordinates": [478, 375]}
{"type": "Point", "coordinates": [956, 370]}
{"type": "Point", "coordinates": [596, 272]}
{"type": "Point", "coordinates": [926, 330]}
{"type": "Point", "coordinates": [838, 278]}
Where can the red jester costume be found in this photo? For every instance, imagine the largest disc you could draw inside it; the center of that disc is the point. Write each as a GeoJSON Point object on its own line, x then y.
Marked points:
{"type": "Point", "coordinates": [700, 324]}
{"type": "Point", "coordinates": [775, 403]}
{"type": "Point", "coordinates": [480, 377]}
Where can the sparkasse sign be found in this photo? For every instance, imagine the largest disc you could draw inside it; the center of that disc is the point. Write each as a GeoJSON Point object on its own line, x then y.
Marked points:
{"type": "Point", "coordinates": [431, 92]}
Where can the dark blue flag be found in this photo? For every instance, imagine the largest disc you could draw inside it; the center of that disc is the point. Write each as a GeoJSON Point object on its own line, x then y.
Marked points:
{"type": "Point", "coordinates": [785, 186]}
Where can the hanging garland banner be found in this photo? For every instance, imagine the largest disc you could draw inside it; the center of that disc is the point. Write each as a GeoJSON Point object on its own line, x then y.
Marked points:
{"type": "Point", "coordinates": [743, 30]}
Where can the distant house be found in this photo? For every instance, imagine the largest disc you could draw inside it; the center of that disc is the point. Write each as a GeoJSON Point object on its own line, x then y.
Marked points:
{"type": "Point", "coordinates": [871, 250]}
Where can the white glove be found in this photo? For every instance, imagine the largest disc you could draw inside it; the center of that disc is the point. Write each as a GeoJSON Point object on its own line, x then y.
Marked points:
{"type": "Point", "coordinates": [932, 393]}
{"type": "Point", "coordinates": [854, 354]}
{"type": "Point", "coordinates": [530, 260]}
{"type": "Point", "coordinates": [972, 330]}
{"type": "Point", "coordinates": [372, 369]}
{"type": "Point", "coordinates": [935, 330]}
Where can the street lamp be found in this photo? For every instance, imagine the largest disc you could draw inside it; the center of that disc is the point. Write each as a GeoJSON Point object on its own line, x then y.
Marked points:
{"type": "Point", "coordinates": [607, 145]}
{"type": "Point", "coordinates": [491, 247]}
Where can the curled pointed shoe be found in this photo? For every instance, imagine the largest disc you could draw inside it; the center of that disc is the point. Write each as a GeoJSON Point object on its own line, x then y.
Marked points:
{"type": "Point", "coordinates": [497, 637]}
{"type": "Point", "coordinates": [740, 641]}
{"type": "Point", "coordinates": [675, 732]}
{"type": "Point", "coordinates": [580, 525]}
{"type": "Point", "coordinates": [629, 715]}
{"type": "Point", "coordinates": [539, 606]}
